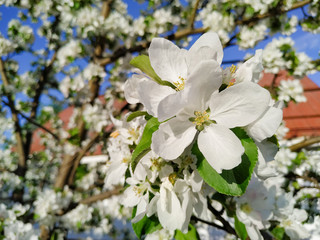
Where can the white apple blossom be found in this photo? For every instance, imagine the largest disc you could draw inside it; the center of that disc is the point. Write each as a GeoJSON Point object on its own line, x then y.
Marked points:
{"type": "Point", "coordinates": [227, 109]}
{"type": "Point", "coordinates": [291, 89]}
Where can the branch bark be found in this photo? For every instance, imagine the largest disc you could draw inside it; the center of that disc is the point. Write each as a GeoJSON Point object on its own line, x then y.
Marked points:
{"type": "Point", "coordinates": [297, 147]}
{"type": "Point", "coordinates": [17, 128]}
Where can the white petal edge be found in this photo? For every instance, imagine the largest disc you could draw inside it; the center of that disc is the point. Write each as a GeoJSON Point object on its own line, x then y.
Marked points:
{"type": "Point", "coordinates": [172, 137]}
{"type": "Point", "coordinates": [239, 105]}
{"type": "Point", "coordinates": [221, 147]}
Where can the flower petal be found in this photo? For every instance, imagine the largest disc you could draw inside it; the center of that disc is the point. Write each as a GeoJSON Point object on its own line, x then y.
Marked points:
{"type": "Point", "coordinates": [220, 146]}
{"type": "Point", "coordinates": [250, 71]}
{"type": "Point", "coordinates": [266, 125]}
{"type": "Point", "coordinates": [131, 86]}
{"type": "Point", "coordinates": [151, 94]}
{"type": "Point", "coordinates": [202, 82]}
{"type": "Point", "coordinates": [239, 105]}
{"type": "Point", "coordinates": [208, 46]}
{"type": "Point", "coordinates": [172, 137]}
{"type": "Point", "coordinates": [167, 60]}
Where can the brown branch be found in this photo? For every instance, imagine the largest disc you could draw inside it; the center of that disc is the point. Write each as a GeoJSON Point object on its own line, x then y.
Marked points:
{"type": "Point", "coordinates": [102, 196]}
{"type": "Point", "coordinates": [70, 163]}
{"type": "Point", "coordinates": [17, 128]}
{"type": "Point", "coordinates": [207, 222]}
{"type": "Point", "coordinates": [227, 227]}
{"type": "Point", "coordinates": [193, 14]}
{"type": "Point", "coordinates": [259, 17]}
{"type": "Point", "coordinates": [36, 100]}
{"type": "Point", "coordinates": [77, 157]}
{"type": "Point", "coordinates": [35, 123]}
{"type": "Point", "coordinates": [297, 147]}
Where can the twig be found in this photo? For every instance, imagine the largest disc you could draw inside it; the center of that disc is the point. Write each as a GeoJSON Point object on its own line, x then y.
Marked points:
{"type": "Point", "coordinates": [207, 222]}
{"type": "Point", "coordinates": [271, 13]}
{"type": "Point", "coordinates": [305, 143]}
{"type": "Point", "coordinates": [17, 128]}
{"type": "Point", "coordinates": [227, 227]}
{"type": "Point", "coordinates": [193, 14]}
{"type": "Point", "coordinates": [35, 123]}
{"type": "Point", "coordinates": [78, 156]}
{"type": "Point", "coordinates": [102, 196]}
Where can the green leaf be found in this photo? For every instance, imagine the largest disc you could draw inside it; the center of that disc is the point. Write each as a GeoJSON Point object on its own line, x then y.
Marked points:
{"type": "Point", "coordinates": [143, 63]}
{"type": "Point", "coordinates": [136, 114]}
{"type": "Point", "coordinates": [235, 181]}
{"type": "Point", "coordinates": [278, 233]}
{"type": "Point", "coordinates": [144, 145]}
{"type": "Point", "coordinates": [145, 225]}
{"type": "Point", "coordinates": [240, 229]}
{"type": "Point", "coordinates": [192, 234]}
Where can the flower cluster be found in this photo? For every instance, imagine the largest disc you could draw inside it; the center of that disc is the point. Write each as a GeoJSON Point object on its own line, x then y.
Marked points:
{"type": "Point", "coordinates": [206, 104]}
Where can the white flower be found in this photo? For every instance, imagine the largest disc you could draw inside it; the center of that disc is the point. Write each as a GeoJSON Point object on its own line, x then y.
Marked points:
{"type": "Point", "coordinates": [235, 106]}
{"type": "Point", "coordinates": [291, 89]}
{"type": "Point", "coordinates": [182, 69]}
{"type": "Point", "coordinates": [293, 224]}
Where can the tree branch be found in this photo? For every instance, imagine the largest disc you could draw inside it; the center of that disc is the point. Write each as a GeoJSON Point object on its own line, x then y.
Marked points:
{"type": "Point", "coordinates": [35, 123]}
{"type": "Point", "coordinates": [259, 17]}
{"type": "Point", "coordinates": [102, 196]}
{"type": "Point", "coordinates": [227, 227]}
{"type": "Point", "coordinates": [193, 14]}
{"type": "Point", "coordinates": [297, 147]}
{"type": "Point", "coordinates": [17, 128]}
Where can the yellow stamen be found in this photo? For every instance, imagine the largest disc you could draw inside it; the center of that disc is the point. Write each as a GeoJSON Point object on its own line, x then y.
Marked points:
{"type": "Point", "coordinates": [126, 160]}
{"type": "Point", "coordinates": [201, 117]}
{"type": "Point", "coordinates": [246, 208]}
{"type": "Point", "coordinates": [233, 69]}
{"type": "Point", "coordinates": [179, 84]}
{"type": "Point", "coordinates": [115, 134]}
{"type": "Point", "coordinates": [230, 84]}
{"type": "Point", "coordinates": [172, 178]}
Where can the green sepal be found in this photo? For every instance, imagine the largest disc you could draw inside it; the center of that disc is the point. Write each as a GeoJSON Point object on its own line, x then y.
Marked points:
{"type": "Point", "coordinates": [192, 234]}
{"type": "Point", "coordinates": [137, 114]}
{"type": "Point", "coordinates": [232, 182]}
{"type": "Point", "coordinates": [145, 225]}
{"type": "Point", "coordinates": [143, 63]}
{"type": "Point", "coordinates": [240, 229]}
{"type": "Point", "coordinates": [143, 146]}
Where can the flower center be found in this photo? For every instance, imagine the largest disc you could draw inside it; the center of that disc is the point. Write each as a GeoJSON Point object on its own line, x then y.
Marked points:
{"type": "Point", "coordinates": [139, 190]}
{"type": "Point", "coordinates": [173, 177]}
{"type": "Point", "coordinates": [180, 84]}
{"type": "Point", "coordinates": [246, 208]}
{"type": "Point", "coordinates": [201, 119]}
{"type": "Point", "coordinates": [157, 164]}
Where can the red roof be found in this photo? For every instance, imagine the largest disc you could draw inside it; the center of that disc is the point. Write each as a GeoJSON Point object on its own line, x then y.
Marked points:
{"type": "Point", "coordinates": [303, 119]}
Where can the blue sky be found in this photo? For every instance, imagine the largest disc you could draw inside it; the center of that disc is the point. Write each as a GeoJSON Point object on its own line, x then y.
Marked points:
{"type": "Point", "coordinates": [304, 41]}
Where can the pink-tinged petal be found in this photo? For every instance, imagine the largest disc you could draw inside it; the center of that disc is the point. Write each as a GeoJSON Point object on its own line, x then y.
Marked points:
{"type": "Point", "coordinates": [266, 125]}
{"type": "Point", "coordinates": [167, 60]}
{"type": "Point", "coordinates": [221, 147]}
{"type": "Point", "coordinates": [208, 46]}
{"type": "Point", "coordinates": [172, 137]}
{"type": "Point", "coordinates": [151, 94]}
{"type": "Point", "coordinates": [239, 105]}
